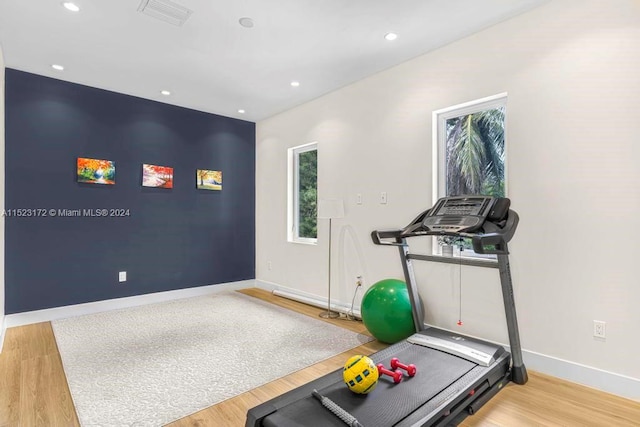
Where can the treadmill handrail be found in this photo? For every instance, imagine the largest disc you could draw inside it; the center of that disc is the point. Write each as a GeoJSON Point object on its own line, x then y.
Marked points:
{"type": "Point", "coordinates": [497, 236]}
{"type": "Point", "coordinates": [378, 235]}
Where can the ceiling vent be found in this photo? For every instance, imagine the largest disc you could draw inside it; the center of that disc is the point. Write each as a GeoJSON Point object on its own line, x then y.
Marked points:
{"type": "Point", "coordinates": [165, 10]}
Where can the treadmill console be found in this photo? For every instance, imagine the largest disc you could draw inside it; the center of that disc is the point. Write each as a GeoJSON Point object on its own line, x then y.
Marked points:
{"type": "Point", "coordinates": [458, 214]}
{"type": "Point", "coordinates": [487, 220]}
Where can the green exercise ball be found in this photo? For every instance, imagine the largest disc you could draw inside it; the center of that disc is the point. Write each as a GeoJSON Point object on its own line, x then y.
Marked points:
{"type": "Point", "coordinates": [386, 311]}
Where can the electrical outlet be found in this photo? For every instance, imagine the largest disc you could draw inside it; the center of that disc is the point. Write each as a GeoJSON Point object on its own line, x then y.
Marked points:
{"type": "Point", "coordinates": [358, 281]}
{"type": "Point", "coordinates": [359, 198]}
{"type": "Point", "coordinates": [383, 198]}
{"type": "Point", "coordinates": [122, 276]}
{"type": "Point", "coordinates": [269, 265]}
{"type": "Point", "coordinates": [599, 329]}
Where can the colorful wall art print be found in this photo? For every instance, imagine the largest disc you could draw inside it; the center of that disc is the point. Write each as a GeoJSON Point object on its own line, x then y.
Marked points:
{"type": "Point", "coordinates": [157, 176]}
{"type": "Point", "coordinates": [94, 171]}
{"type": "Point", "coordinates": [209, 180]}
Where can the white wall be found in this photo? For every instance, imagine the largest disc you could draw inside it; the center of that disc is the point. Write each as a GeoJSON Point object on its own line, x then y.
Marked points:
{"type": "Point", "coordinates": [2, 323]}
{"type": "Point", "coordinates": [570, 69]}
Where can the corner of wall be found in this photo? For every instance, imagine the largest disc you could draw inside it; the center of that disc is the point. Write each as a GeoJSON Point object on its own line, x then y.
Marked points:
{"type": "Point", "coordinates": [3, 329]}
{"type": "Point", "coordinates": [2, 317]}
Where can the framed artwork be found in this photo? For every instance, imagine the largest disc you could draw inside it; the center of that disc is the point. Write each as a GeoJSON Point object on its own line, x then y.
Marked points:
{"type": "Point", "coordinates": [208, 180]}
{"type": "Point", "coordinates": [157, 176]}
{"type": "Point", "coordinates": [95, 171]}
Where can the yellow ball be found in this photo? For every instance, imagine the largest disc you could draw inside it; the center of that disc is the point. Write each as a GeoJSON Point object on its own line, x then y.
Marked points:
{"type": "Point", "coordinates": [360, 374]}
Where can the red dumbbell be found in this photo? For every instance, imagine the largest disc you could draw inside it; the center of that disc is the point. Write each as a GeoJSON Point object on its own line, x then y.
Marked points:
{"type": "Point", "coordinates": [396, 375]}
{"type": "Point", "coordinates": [411, 369]}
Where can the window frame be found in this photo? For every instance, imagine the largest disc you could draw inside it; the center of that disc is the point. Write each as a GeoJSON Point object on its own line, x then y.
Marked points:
{"type": "Point", "coordinates": [293, 202]}
{"type": "Point", "coordinates": [439, 143]}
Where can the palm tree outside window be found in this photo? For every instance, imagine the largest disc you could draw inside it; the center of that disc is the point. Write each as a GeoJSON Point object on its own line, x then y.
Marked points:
{"type": "Point", "coordinates": [469, 141]}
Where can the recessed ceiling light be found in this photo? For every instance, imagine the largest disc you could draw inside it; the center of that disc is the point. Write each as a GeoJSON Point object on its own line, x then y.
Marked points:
{"type": "Point", "coordinates": [241, 111]}
{"type": "Point", "coordinates": [71, 6]}
{"type": "Point", "coordinates": [295, 83]}
{"type": "Point", "coordinates": [246, 22]}
{"type": "Point", "coordinates": [390, 36]}
{"type": "Point", "coordinates": [57, 67]}
{"type": "Point", "coordinates": [165, 92]}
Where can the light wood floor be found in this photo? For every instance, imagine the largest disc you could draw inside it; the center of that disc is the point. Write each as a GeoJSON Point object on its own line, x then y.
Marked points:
{"type": "Point", "coordinates": [34, 391]}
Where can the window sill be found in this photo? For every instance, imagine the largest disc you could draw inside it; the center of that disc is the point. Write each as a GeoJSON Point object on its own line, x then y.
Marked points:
{"type": "Point", "coordinates": [305, 242]}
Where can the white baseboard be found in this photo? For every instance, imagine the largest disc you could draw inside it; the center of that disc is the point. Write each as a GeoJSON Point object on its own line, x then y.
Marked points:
{"type": "Point", "coordinates": [307, 298]}
{"type": "Point", "coordinates": [3, 329]}
{"type": "Point", "coordinates": [609, 382]}
{"type": "Point", "coordinates": [55, 313]}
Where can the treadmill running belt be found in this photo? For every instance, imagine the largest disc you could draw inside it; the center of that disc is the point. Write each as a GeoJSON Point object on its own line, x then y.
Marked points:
{"type": "Point", "coordinates": [388, 403]}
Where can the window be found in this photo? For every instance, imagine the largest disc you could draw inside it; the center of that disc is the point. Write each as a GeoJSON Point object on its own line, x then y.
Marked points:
{"type": "Point", "coordinates": [469, 151]}
{"type": "Point", "coordinates": [303, 194]}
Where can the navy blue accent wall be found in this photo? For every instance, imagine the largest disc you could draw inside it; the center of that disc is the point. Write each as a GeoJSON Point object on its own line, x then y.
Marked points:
{"type": "Point", "coordinates": [172, 239]}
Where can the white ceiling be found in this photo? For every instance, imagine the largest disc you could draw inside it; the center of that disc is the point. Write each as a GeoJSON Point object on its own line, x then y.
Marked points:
{"type": "Point", "coordinates": [213, 64]}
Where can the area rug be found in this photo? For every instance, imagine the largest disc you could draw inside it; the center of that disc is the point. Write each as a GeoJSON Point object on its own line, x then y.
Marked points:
{"type": "Point", "coordinates": [150, 365]}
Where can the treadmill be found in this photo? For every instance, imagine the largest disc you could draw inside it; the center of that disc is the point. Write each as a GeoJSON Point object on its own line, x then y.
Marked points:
{"type": "Point", "coordinates": [456, 374]}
